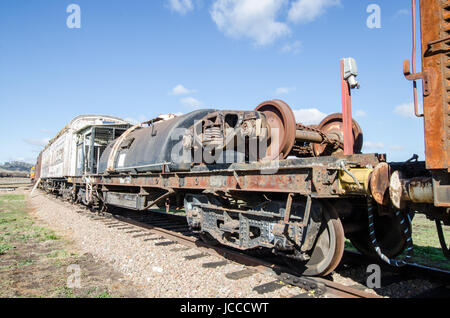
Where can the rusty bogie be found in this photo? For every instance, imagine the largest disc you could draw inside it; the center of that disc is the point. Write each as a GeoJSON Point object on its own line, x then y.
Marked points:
{"type": "Point", "coordinates": [298, 230]}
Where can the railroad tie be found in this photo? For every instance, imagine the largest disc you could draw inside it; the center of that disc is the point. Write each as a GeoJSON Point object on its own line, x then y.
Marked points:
{"type": "Point", "coordinates": [134, 231]}
{"type": "Point", "coordinates": [180, 249]}
{"type": "Point", "coordinates": [125, 228]}
{"type": "Point", "coordinates": [241, 274]}
{"type": "Point", "coordinates": [269, 287]}
{"type": "Point", "coordinates": [115, 225]}
{"type": "Point", "coordinates": [215, 264]}
{"type": "Point", "coordinates": [165, 243]}
{"type": "Point", "coordinates": [196, 256]}
{"type": "Point", "coordinates": [154, 239]}
{"type": "Point", "coordinates": [143, 235]}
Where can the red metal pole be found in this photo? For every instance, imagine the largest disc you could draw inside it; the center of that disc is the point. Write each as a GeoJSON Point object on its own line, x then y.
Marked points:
{"type": "Point", "coordinates": [347, 114]}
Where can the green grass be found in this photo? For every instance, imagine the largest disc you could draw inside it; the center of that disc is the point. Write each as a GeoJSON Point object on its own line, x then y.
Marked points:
{"type": "Point", "coordinates": [16, 225]}
{"type": "Point", "coordinates": [64, 292]}
{"type": "Point", "coordinates": [61, 254]}
{"type": "Point", "coordinates": [104, 295]}
{"type": "Point", "coordinates": [21, 241]}
{"type": "Point", "coordinates": [25, 263]}
{"type": "Point", "coordinates": [427, 249]}
{"type": "Point", "coordinates": [5, 247]}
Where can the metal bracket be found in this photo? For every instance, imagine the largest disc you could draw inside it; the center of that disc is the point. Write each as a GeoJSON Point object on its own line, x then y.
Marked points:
{"type": "Point", "coordinates": [287, 214]}
{"type": "Point", "coordinates": [430, 45]}
{"type": "Point", "coordinates": [416, 76]}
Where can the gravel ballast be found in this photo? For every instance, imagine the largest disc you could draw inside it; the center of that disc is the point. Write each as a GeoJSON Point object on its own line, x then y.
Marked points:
{"type": "Point", "coordinates": [160, 271]}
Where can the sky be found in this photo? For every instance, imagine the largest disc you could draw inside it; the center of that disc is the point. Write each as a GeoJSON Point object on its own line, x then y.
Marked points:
{"type": "Point", "coordinates": [137, 59]}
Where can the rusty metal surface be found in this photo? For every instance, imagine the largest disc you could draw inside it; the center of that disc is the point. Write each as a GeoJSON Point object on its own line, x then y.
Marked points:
{"type": "Point", "coordinates": [316, 176]}
{"type": "Point", "coordinates": [416, 190]}
{"type": "Point", "coordinates": [333, 125]}
{"type": "Point", "coordinates": [280, 116]}
{"type": "Point", "coordinates": [37, 172]}
{"type": "Point", "coordinates": [420, 190]}
{"type": "Point", "coordinates": [379, 183]}
{"type": "Point", "coordinates": [347, 114]}
{"type": "Point", "coordinates": [434, 22]}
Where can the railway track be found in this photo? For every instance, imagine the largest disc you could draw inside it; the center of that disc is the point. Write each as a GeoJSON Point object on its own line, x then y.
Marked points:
{"type": "Point", "coordinates": [178, 231]}
{"type": "Point", "coordinates": [173, 229]}
{"type": "Point", "coordinates": [12, 187]}
{"type": "Point", "coordinates": [11, 184]}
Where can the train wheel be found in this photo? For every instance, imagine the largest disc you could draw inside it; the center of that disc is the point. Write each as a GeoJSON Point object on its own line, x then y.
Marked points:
{"type": "Point", "coordinates": [389, 234]}
{"type": "Point", "coordinates": [334, 124]}
{"type": "Point", "coordinates": [281, 117]}
{"type": "Point", "coordinates": [328, 250]}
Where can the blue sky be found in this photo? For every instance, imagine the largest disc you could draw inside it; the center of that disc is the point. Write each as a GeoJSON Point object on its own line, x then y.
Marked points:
{"type": "Point", "coordinates": [137, 59]}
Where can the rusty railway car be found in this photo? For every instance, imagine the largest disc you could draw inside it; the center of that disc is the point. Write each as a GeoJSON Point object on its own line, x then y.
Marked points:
{"type": "Point", "coordinates": [258, 180]}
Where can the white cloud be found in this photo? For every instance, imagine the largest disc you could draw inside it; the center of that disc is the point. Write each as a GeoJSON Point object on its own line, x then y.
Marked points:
{"type": "Point", "coordinates": [254, 19]}
{"type": "Point", "coordinates": [181, 90]}
{"type": "Point", "coordinates": [370, 145]}
{"type": "Point", "coordinates": [405, 110]}
{"type": "Point", "coordinates": [310, 116]}
{"type": "Point", "coordinates": [132, 120]}
{"type": "Point", "coordinates": [41, 142]}
{"type": "Point", "coordinates": [396, 148]}
{"type": "Point", "coordinates": [360, 113]}
{"type": "Point", "coordinates": [284, 90]}
{"type": "Point", "coordinates": [294, 47]}
{"type": "Point", "coordinates": [191, 102]}
{"type": "Point", "coordinates": [402, 12]}
{"type": "Point", "coordinates": [135, 121]}
{"type": "Point", "coordinates": [304, 11]}
{"type": "Point", "coordinates": [180, 6]}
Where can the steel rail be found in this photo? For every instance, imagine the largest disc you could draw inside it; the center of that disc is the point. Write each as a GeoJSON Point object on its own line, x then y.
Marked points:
{"type": "Point", "coordinates": [280, 272]}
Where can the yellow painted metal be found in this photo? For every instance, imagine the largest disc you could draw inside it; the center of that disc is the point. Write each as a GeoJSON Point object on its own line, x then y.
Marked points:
{"type": "Point", "coordinates": [348, 184]}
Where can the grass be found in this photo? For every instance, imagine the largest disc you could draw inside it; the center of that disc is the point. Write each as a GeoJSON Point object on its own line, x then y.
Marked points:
{"type": "Point", "coordinates": [41, 256]}
{"type": "Point", "coordinates": [64, 292]}
{"type": "Point", "coordinates": [427, 249]}
{"type": "Point", "coordinates": [105, 294]}
{"type": "Point", "coordinates": [16, 225]}
{"type": "Point", "coordinates": [61, 254]}
{"type": "Point", "coordinates": [5, 247]}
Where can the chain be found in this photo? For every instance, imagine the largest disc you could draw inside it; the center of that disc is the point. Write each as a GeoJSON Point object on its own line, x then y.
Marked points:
{"type": "Point", "coordinates": [405, 223]}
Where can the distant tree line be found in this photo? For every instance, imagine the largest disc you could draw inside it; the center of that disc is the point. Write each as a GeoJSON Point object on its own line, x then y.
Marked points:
{"type": "Point", "coordinates": [15, 169]}
{"type": "Point", "coordinates": [16, 166]}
